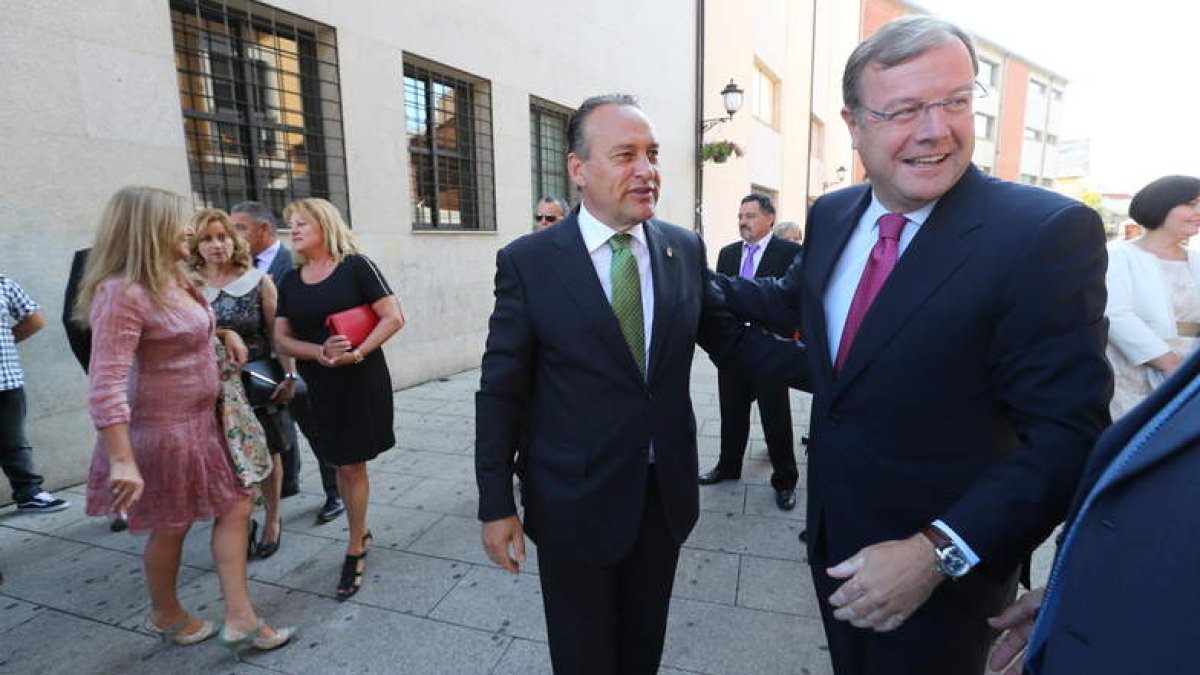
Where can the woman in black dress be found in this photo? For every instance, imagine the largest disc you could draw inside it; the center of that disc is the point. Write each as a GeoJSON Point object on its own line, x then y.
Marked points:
{"type": "Point", "coordinates": [349, 384]}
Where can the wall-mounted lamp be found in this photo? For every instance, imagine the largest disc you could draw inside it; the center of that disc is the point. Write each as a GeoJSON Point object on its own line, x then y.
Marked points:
{"type": "Point", "coordinates": [840, 175]}
{"type": "Point", "coordinates": [732, 97]}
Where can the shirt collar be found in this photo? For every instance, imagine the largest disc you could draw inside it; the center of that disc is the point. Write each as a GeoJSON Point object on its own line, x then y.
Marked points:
{"type": "Point", "coordinates": [596, 234]}
{"type": "Point", "coordinates": [269, 252]}
{"type": "Point", "coordinates": [762, 243]}
{"type": "Point", "coordinates": [916, 217]}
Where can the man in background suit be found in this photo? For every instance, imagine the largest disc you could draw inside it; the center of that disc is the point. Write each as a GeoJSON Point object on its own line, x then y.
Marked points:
{"type": "Point", "coordinates": [587, 368]}
{"type": "Point", "coordinates": [1123, 596]}
{"type": "Point", "coordinates": [955, 334]}
{"type": "Point", "coordinates": [759, 254]}
{"type": "Point", "coordinates": [256, 223]}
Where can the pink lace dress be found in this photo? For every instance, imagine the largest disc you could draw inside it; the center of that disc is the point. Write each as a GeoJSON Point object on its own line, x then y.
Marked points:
{"type": "Point", "coordinates": [154, 368]}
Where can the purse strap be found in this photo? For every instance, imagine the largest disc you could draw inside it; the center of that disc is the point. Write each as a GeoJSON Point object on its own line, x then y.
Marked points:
{"type": "Point", "coordinates": [378, 277]}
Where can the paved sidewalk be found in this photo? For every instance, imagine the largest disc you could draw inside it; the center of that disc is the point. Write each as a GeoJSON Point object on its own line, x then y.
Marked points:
{"type": "Point", "coordinates": [73, 596]}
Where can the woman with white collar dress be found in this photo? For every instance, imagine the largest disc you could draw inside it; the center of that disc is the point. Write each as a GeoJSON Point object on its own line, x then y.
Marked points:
{"type": "Point", "coordinates": [1154, 290]}
{"type": "Point", "coordinates": [243, 299]}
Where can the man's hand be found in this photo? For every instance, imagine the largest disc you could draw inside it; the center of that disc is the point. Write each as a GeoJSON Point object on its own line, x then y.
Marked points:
{"type": "Point", "coordinates": [498, 535]}
{"type": "Point", "coordinates": [887, 583]}
{"type": "Point", "coordinates": [1017, 621]}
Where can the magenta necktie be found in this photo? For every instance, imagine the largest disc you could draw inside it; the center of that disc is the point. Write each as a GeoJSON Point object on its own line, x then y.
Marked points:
{"type": "Point", "coordinates": [879, 266]}
{"type": "Point", "coordinates": [748, 263]}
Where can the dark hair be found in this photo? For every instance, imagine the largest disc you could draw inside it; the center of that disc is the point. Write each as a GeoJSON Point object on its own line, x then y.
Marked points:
{"type": "Point", "coordinates": [1152, 203]}
{"type": "Point", "coordinates": [576, 141]}
{"type": "Point", "coordinates": [260, 212]}
{"type": "Point", "coordinates": [900, 40]}
{"type": "Point", "coordinates": [764, 202]}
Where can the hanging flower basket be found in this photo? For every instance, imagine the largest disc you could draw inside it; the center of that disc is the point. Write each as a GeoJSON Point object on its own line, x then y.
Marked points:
{"type": "Point", "coordinates": [719, 151]}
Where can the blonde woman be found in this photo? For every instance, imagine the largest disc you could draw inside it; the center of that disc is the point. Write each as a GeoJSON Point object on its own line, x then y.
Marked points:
{"type": "Point", "coordinates": [161, 457]}
{"type": "Point", "coordinates": [243, 299]}
{"type": "Point", "coordinates": [349, 384]}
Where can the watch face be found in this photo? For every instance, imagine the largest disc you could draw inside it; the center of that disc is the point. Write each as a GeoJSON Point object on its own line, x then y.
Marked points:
{"type": "Point", "coordinates": [952, 562]}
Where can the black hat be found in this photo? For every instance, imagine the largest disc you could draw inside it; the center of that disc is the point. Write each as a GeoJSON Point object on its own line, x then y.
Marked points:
{"type": "Point", "coordinates": [1152, 203]}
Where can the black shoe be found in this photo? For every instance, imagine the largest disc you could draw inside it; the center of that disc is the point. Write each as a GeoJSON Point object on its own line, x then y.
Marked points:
{"type": "Point", "coordinates": [716, 476]}
{"type": "Point", "coordinates": [332, 509]}
{"type": "Point", "coordinates": [804, 536]}
{"type": "Point", "coordinates": [267, 549]}
{"type": "Point", "coordinates": [119, 524]}
{"type": "Point", "coordinates": [785, 499]}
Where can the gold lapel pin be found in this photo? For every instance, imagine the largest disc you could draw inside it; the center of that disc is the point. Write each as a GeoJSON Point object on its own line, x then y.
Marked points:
{"type": "Point", "coordinates": [670, 253]}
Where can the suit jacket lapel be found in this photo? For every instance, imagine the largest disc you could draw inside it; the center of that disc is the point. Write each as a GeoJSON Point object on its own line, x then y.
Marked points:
{"type": "Point", "coordinates": [1177, 433]}
{"type": "Point", "coordinates": [773, 263]}
{"type": "Point", "coordinates": [578, 274]}
{"type": "Point", "coordinates": [934, 254]}
{"type": "Point", "coordinates": [819, 262]}
{"type": "Point", "coordinates": [665, 272]}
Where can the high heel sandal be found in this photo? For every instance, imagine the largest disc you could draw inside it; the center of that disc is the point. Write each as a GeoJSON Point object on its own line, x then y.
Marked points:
{"type": "Point", "coordinates": [352, 574]}
{"type": "Point", "coordinates": [173, 633]}
{"type": "Point", "coordinates": [265, 550]}
{"type": "Point", "coordinates": [237, 644]}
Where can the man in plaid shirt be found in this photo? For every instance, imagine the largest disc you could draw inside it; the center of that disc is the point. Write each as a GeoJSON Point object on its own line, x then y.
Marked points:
{"type": "Point", "coordinates": [19, 318]}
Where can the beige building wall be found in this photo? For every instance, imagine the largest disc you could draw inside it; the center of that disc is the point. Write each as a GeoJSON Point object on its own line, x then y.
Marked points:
{"type": "Point", "coordinates": [837, 31]}
{"type": "Point", "coordinates": [742, 39]}
{"type": "Point", "coordinates": [89, 103]}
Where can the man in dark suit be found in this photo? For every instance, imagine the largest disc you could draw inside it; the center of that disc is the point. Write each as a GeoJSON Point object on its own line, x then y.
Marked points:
{"type": "Point", "coordinates": [1122, 596]}
{"type": "Point", "coordinates": [956, 339]}
{"type": "Point", "coordinates": [587, 368]}
{"type": "Point", "coordinates": [757, 255]}
{"type": "Point", "coordinates": [256, 223]}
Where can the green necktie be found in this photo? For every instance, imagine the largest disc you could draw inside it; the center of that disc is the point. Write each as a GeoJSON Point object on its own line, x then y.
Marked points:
{"type": "Point", "coordinates": [627, 297]}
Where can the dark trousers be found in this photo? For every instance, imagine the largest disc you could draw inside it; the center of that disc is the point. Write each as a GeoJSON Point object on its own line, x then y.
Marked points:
{"type": "Point", "coordinates": [16, 455]}
{"type": "Point", "coordinates": [737, 392]}
{"type": "Point", "coordinates": [612, 619]}
{"type": "Point", "coordinates": [301, 411]}
{"type": "Point", "coordinates": [948, 635]}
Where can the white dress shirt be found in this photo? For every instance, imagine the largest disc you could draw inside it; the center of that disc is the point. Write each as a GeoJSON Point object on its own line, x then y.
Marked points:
{"type": "Point", "coordinates": [762, 248]}
{"type": "Point", "coordinates": [263, 260]}
{"type": "Point", "coordinates": [595, 238]}
{"type": "Point", "coordinates": [844, 282]}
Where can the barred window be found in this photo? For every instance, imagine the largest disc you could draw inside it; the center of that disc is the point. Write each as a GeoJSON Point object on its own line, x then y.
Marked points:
{"type": "Point", "coordinates": [548, 152]}
{"type": "Point", "coordinates": [448, 117]}
{"type": "Point", "coordinates": [261, 104]}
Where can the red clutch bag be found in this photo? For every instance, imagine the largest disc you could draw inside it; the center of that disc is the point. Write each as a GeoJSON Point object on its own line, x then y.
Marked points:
{"type": "Point", "coordinates": [356, 323]}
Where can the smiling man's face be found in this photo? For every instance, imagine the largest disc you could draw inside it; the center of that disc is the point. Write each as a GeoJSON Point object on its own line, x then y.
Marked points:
{"type": "Point", "coordinates": [913, 164]}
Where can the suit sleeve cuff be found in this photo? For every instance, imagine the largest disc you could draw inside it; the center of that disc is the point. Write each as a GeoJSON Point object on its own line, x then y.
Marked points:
{"type": "Point", "coordinates": [968, 552]}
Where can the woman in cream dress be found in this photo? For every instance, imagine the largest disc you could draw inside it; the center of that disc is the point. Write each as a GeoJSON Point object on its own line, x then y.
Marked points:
{"type": "Point", "coordinates": [1154, 290]}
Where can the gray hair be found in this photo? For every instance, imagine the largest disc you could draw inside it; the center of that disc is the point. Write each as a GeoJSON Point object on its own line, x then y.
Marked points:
{"type": "Point", "coordinates": [562, 203]}
{"type": "Point", "coordinates": [785, 228]}
{"type": "Point", "coordinates": [900, 40]}
{"type": "Point", "coordinates": [576, 138]}
{"type": "Point", "coordinates": [258, 211]}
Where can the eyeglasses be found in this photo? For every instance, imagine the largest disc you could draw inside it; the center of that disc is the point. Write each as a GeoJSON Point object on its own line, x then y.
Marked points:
{"type": "Point", "coordinates": [537, 217]}
{"type": "Point", "coordinates": [954, 106]}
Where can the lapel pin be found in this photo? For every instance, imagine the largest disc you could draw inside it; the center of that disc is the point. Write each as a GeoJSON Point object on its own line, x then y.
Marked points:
{"type": "Point", "coordinates": [670, 253]}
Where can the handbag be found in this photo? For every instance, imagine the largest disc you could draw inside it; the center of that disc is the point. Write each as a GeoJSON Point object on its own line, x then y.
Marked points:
{"type": "Point", "coordinates": [356, 323]}
{"type": "Point", "coordinates": [244, 436]}
{"type": "Point", "coordinates": [260, 377]}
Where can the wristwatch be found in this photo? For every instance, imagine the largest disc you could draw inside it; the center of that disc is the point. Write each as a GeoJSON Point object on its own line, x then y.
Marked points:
{"type": "Point", "coordinates": [358, 356]}
{"type": "Point", "coordinates": [291, 376]}
{"type": "Point", "coordinates": [950, 559]}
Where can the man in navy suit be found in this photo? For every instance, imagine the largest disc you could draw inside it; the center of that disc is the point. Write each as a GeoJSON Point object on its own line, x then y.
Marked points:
{"type": "Point", "coordinates": [758, 254]}
{"type": "Point", "coordinates": [256, 223]}
{"type": "Point", "coordinates": [1123, 595]}
{"type": "Point", "coordinates": [955, 334]}
{"type": "Point", "coordinates": [587, 368]}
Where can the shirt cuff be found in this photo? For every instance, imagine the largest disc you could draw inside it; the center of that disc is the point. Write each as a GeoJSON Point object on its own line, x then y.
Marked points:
{"type": "Point", "coordinates": [972, 559]}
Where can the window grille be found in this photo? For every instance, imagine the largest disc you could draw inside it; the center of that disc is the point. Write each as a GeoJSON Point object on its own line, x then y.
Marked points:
{"type": "Point", "coordinates": [261, 103]}
{"type": "Point", "coordinates": [548, 152]}
{"type": "Point", "coordinates": [448, 118]}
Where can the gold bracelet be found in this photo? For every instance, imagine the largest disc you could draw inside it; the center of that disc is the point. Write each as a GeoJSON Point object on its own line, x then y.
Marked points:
{"type": "Point", "coordinates": [358, 356]}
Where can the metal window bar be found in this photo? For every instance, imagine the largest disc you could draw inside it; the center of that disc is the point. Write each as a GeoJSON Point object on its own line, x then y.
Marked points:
{"type": "Point", "coordinates": [261, 101]}
{"type": "Point", "coordinates": [548, 150]}
{"type": "Point", "coordinates": [448, 123]}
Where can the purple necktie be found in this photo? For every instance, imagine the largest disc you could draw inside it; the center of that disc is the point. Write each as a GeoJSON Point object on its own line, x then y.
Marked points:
{"type": "Point", "coordinates": [748, 263]}
{"type": "Point", "coordinates": [879, 266]}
